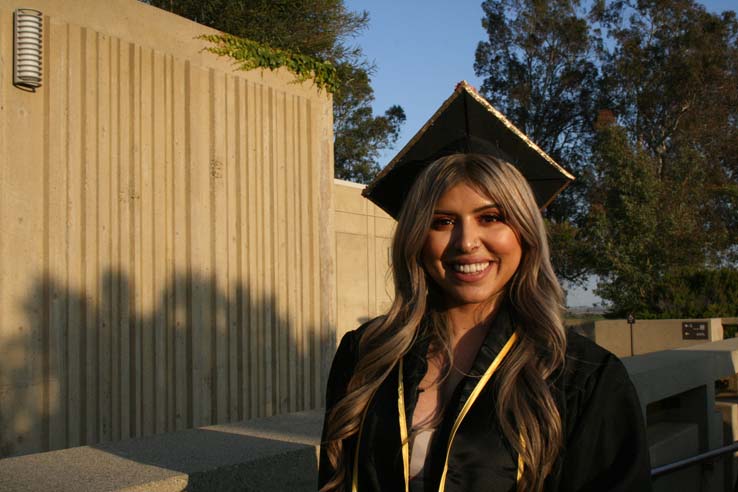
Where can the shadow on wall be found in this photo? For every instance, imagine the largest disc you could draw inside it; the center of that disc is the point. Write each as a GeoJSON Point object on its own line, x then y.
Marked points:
{"type": "Point", "coordinates": [117, 360]}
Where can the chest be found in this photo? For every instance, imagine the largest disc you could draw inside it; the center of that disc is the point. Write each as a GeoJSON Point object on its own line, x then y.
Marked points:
{"type": "Point", "coordinates": [441, 378]}
{"type": "Point", "coordinates": [471, 449]}
{"type": "Point", "coordinates": [434, 393]}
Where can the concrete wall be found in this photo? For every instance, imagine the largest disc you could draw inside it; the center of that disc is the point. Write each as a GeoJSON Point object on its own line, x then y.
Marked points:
{"type": "Point", "coordinates": [363, 241]}
{"type": "Point", "coordinates": [665, 334]}
{"type": "Point", "coordinates": [649, 335]}
{"type": "Point", "coordinates": [278, 453]}
{"type": "Point", "coordinates": [165, 254]}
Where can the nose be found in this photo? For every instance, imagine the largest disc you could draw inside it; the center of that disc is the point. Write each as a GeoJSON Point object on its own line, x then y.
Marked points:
{"type": "Point", "coordinates": [467, 236]}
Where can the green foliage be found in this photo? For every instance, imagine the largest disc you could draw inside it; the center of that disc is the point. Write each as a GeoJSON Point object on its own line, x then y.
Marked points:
{"type": "Point", "coordinates": [250, 55]}
{"type": "Point", "coordinates": [695, 294]}
{"type": "Point", "coordinates": [569, 253]}
{"type": "Point", "coordinates": [642, 226]}
{"type": "Point", "coordinates": [662, 199]}
{"type": "Point", "coordinates": [359, 135]}
{"type": "Point", "coordinates": [318, 28]}
{"type": "Point", "coordinates": [729, 331]}
{"type": "Point", "coordinates": [624, 225]}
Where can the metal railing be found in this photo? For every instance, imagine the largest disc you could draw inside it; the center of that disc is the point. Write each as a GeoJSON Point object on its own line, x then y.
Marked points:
{"type": "Point", "coordinates": [711, 455]}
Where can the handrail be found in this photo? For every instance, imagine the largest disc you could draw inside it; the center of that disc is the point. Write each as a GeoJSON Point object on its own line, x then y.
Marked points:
{"type": "Point", "coordinates": [692, 460]}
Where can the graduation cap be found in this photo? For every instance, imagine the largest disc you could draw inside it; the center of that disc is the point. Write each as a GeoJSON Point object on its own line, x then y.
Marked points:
{"type": "Point", "coordinates": [466, 123]}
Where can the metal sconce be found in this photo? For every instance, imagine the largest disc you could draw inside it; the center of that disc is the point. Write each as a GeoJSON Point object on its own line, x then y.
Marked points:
{"type": "Point", "coordinates": [28, 48]}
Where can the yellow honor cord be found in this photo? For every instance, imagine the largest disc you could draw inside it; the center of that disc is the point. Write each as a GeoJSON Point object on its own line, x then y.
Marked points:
{"type": "Point", "coordinates": [403, 428]}
{"type": "Point", "coordinates": [521, 464]}
{"type": "Point", "coordinates": [403, 422]}
{"type": "Point", "coordinates": [470, 401]}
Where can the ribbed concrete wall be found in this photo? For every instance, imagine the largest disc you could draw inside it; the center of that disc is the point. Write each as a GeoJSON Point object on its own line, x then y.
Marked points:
{"type": "Point", "coordinates": [363, 241]}
{"type": "Point", "coordinates": [164, 255]}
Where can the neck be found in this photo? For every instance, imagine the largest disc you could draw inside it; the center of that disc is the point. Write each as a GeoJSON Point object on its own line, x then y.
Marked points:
{"type": "Point", "coordinates": [465, 318]}
{"type": "Point", "coordinates": [469, 329]}
{"type": "Point", "coordinates": [470, 326]}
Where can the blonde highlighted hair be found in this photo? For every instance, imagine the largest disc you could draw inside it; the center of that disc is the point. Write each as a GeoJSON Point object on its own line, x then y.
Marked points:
{"type": "Point", "coordinates": [526, 408]}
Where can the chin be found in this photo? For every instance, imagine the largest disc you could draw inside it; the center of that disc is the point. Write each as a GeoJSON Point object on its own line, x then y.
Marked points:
{"type": "Point", "coordinates": [476, 300]}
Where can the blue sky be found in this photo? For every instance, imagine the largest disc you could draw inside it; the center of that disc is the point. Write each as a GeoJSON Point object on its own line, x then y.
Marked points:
{"type": "Point", "coordinates": [421, 50]}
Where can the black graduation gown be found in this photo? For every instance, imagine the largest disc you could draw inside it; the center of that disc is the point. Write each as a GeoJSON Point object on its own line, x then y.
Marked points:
{"type": "Point", "coordinates": [605, 447]}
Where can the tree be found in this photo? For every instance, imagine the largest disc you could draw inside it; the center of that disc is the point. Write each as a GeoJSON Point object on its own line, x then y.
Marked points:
{"type": "Point", "coordinates": [624, 224]}
{"type": "Point", "coordinates": [695, 294]}
{"type": "Point", "coordinates": [360, 135]}
{"type": "Point", "coordinates": [664, 192]}
{"type": "Point", "coordinates": [538, 64]}
{"type": "Point", "coordinates": [639, 98]}
{"type": "Point", "coordinates": [320, 29]}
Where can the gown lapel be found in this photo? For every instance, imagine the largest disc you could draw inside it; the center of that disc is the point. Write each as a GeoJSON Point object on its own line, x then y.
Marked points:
{"type": "Point", "coordinates": [380, 465]}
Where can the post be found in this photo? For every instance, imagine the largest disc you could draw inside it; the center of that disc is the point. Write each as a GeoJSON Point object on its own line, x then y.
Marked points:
{"type": "Point", "coordinates": [631, 322]}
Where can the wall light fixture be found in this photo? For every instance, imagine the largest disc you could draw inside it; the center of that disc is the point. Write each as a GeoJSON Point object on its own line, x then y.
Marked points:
{"type": "Point", "coordinates": [27, 48]}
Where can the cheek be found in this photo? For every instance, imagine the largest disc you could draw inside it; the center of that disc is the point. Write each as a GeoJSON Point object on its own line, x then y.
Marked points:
{"type": "Point", "coordinates": [432, 248]}
{"type": "Point", "coordinates": [509, 249]}
{"type": "Point", "coordinates": [431, 255]}
{"type": "Point", "coordinates": [509, 244]}
{"type": "Point", "coordinates": [515, 258]}
{"type": "Point", "coordinates": [512, 247]}
{"type": "Point", "coordinates": [427, 257]}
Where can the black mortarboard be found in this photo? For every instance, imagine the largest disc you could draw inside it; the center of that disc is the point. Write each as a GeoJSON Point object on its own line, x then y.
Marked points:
{"type": "Point", "coordinates": [466, 123]}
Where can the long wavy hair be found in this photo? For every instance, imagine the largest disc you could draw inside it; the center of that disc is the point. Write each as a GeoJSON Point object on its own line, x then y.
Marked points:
{"type": "Point", "coordinates": [525, 406]}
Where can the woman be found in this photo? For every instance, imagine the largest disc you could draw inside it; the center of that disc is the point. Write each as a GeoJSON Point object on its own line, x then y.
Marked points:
{"type": "Point", "coordinates": [470, 382]}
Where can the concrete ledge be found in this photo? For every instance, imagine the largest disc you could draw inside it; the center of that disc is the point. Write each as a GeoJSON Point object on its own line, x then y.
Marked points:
{"type": "Point", "coordinates": [280, 453]}
{"type": "Point", "coordinates": [272, 454]}
{"type": "Point", "coordinates": [658, 375]}
{"type": "Point", "coordinates": [672, 441]}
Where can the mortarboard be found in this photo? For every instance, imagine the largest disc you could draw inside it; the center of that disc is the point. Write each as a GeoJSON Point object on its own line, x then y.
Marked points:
{"type": "Point", "coordinates": [466, 123]}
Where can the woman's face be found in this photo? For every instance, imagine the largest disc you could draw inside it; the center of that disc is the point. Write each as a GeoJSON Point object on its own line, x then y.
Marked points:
{"type": "Point", "coordinates": [470, 252]}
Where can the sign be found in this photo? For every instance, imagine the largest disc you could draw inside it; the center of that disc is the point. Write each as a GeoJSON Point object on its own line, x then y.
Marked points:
{"type": "Point", "coordinates": [694, 330]}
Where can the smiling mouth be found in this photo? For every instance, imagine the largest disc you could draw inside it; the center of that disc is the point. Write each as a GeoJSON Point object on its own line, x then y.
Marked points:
{"type": "Point", "coordinates": [470, 267]}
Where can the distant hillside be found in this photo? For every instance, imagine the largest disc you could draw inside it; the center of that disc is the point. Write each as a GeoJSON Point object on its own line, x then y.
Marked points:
{"type": "Point", "coordinates": [587, 312]}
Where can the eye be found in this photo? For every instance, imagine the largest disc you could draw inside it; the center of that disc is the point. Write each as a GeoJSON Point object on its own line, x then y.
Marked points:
{"type": "Point", "coordinates": [442, 222]}
{"type": "Point", "coordinates": [491, 217]}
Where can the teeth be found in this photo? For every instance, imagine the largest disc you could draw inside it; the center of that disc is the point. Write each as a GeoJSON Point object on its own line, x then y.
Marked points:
{"type": "Point", "coordinates": [470, 268]}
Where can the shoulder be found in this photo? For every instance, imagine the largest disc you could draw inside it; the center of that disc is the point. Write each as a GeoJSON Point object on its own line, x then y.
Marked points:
{"type": "Point", "coordinates": [344, 362]}
{"type": "Point", "coordinates": [605, 446]}
{"type": "Point", "coordinates": [587, 364]}
{"type": "Point", "coordinates": [591, 377]}
{"type": "Point", "coordinates": [348, 347]}
{"type": "Point", "coordinates": [593, 384]}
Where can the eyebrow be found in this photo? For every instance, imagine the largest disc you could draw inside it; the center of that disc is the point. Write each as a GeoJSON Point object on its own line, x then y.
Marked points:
{"type": "Point", "coordinates": [476, 210]}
